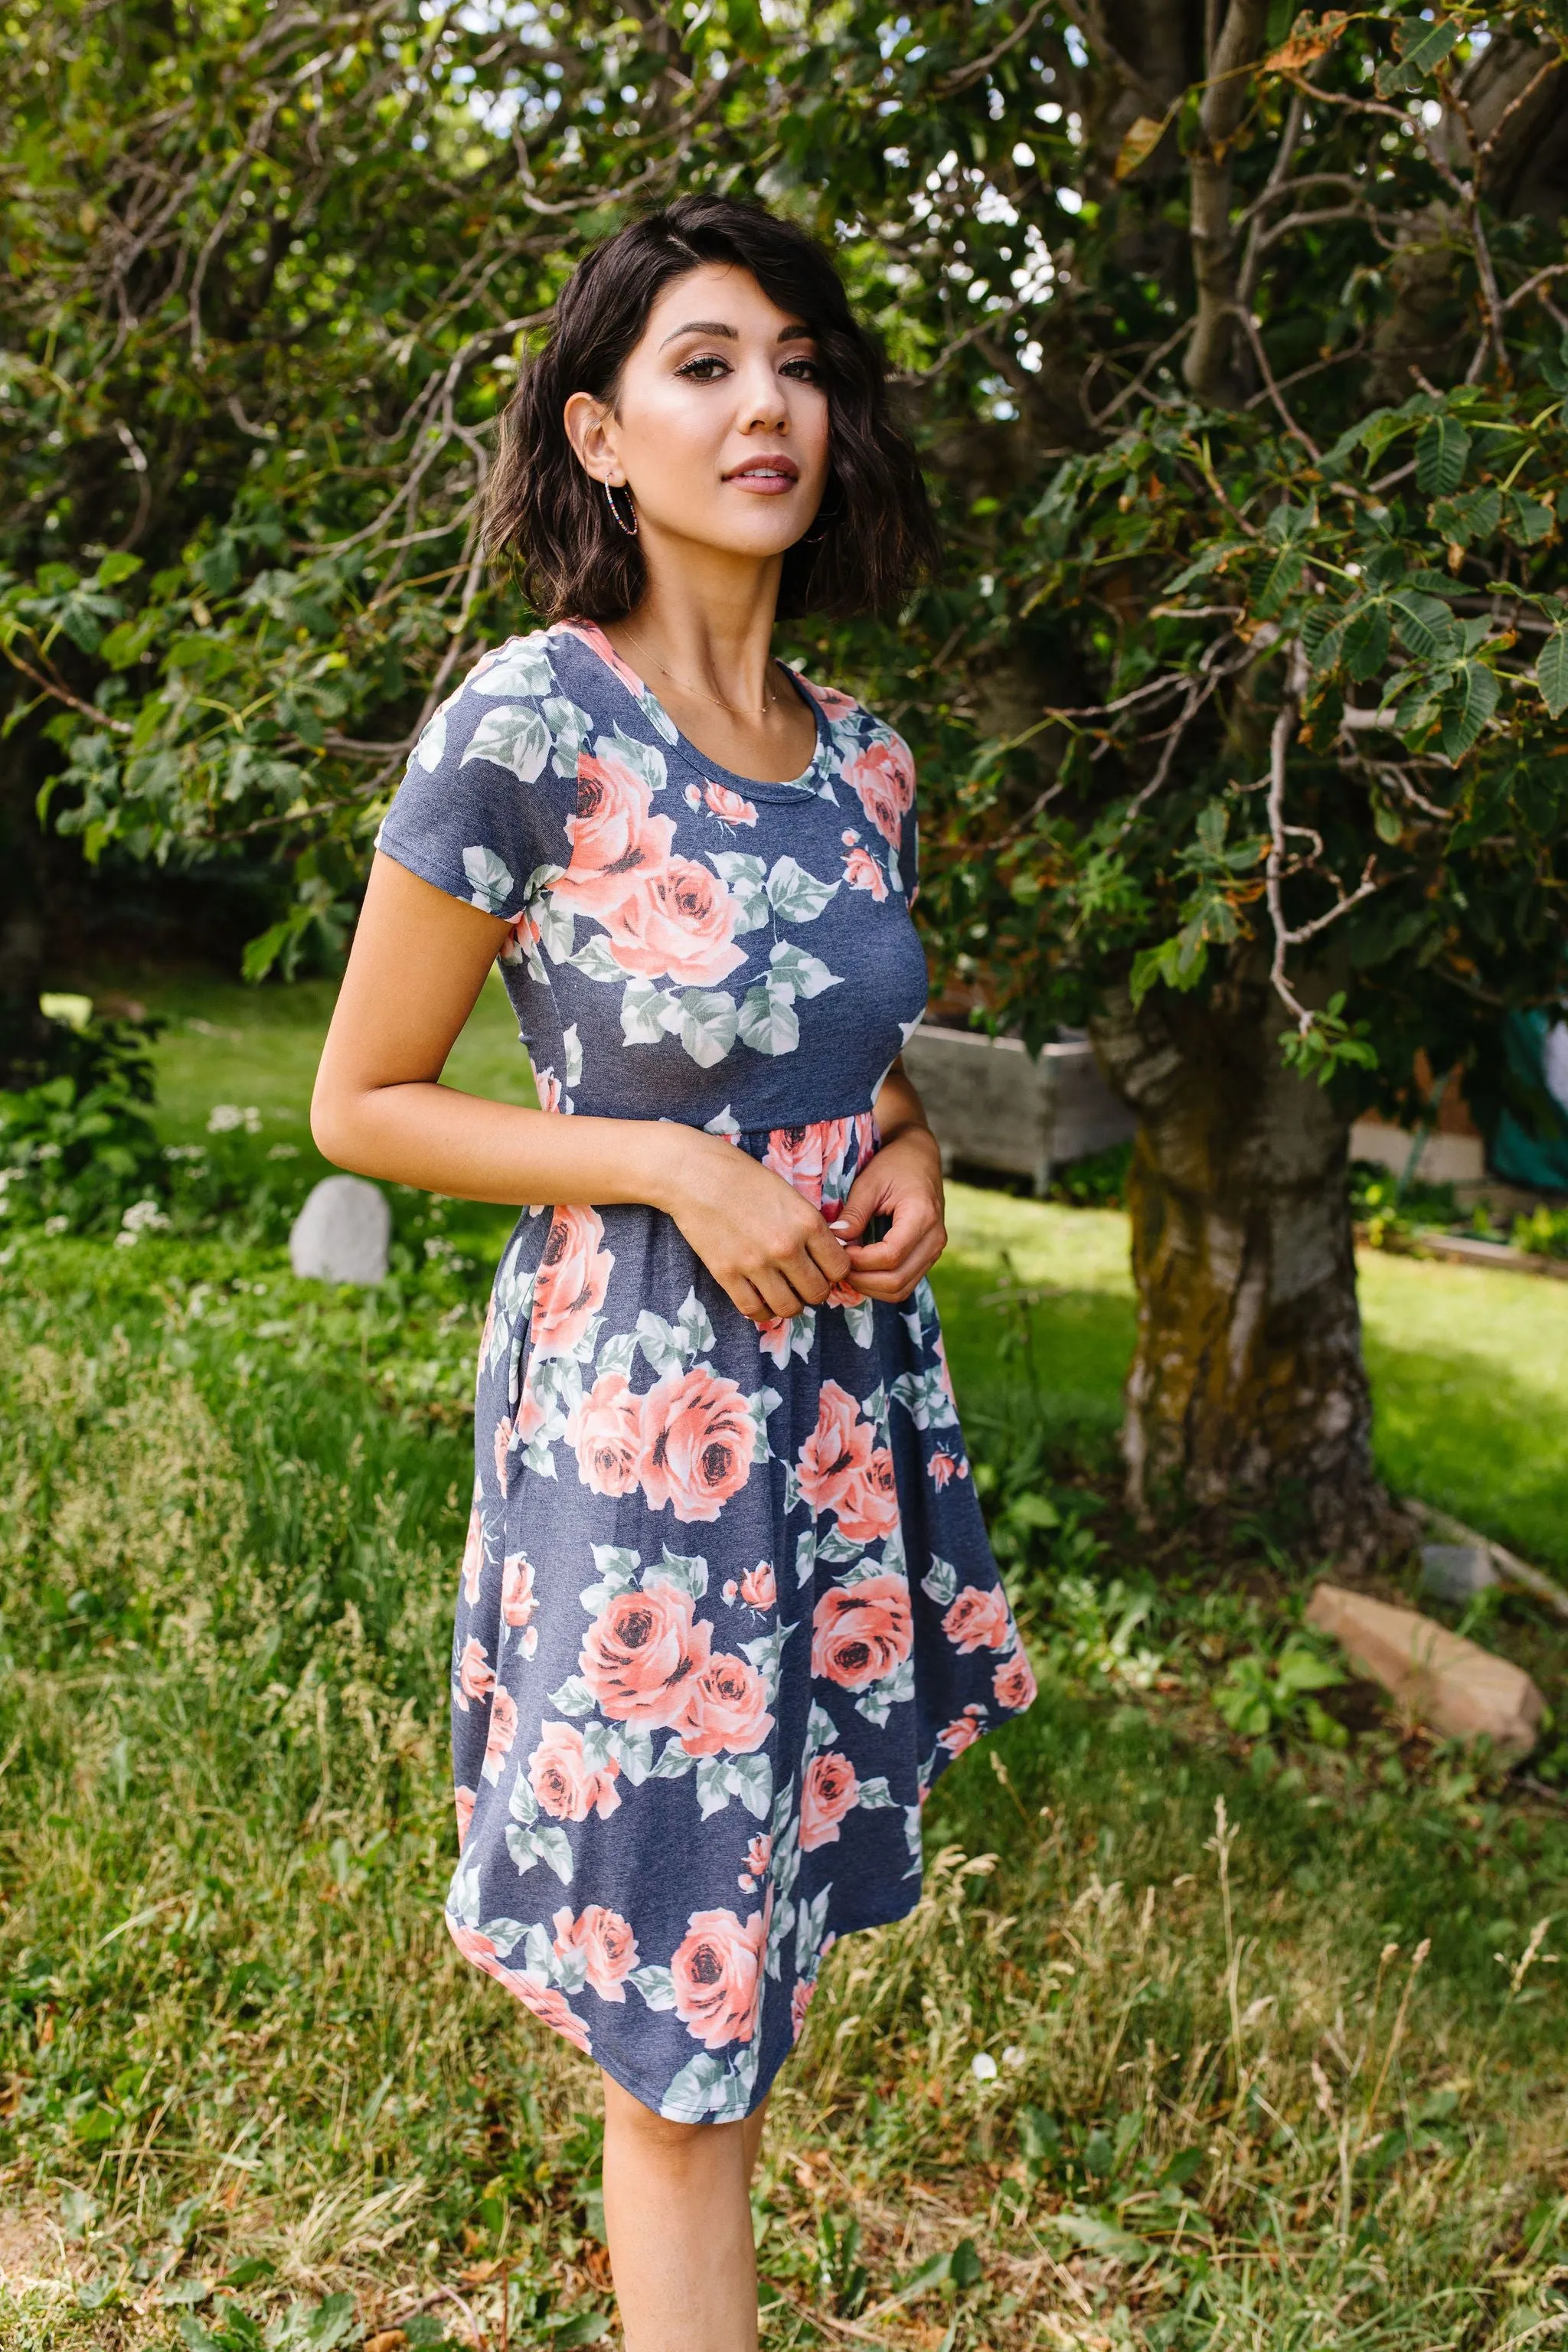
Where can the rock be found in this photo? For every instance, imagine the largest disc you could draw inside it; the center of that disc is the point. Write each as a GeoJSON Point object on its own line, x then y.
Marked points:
{"type": "Point", "coordinates": [1456, 1572]}
{"type": "Point", "coordinates": [341, 1233]}
{"type": "Point", "coordinates": [1457, 1689]}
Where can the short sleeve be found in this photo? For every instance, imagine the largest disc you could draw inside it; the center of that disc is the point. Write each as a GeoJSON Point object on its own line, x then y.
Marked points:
{"type": "Point", "coordinates": [480, 808]}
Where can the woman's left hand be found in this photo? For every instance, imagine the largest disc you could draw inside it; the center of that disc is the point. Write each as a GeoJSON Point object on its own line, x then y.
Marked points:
{"type": "Point", "coordinates": [903, 1184]}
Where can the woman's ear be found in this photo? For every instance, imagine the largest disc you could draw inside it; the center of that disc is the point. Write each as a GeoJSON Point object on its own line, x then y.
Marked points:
{"type": "Point", "coordinates": [590, 429]}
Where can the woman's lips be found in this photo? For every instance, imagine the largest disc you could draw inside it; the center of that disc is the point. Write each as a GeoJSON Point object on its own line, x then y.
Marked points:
{"type": "Point", "coordinates": [765, 476]}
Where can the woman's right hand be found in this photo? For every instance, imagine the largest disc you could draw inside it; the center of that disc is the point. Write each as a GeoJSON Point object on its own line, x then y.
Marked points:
{"type": "Point", "coordinates": [764, 1244]}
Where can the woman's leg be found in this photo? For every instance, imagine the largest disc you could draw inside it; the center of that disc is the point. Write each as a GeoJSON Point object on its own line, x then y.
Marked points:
{"type": "Point", "coordinates": [679, 2222]}
{"type": "Point", "coordinates": [752, 2130]}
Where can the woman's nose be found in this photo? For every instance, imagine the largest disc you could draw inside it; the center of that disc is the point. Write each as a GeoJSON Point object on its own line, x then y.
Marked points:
{"type": "Point", "coordinates": [763, 408]}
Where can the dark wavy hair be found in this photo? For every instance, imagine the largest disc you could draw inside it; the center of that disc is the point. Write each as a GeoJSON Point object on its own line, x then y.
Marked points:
{"type": "Point", "coordinates": [875, 535]}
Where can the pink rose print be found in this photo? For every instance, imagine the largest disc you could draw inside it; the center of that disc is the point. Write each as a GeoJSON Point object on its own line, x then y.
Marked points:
{"type": "Point", "coordinates": [697, 1444]}
{"type": "Point", "coordinates": [964, 1732]}
{"type": "Point", "coordinates": [725, 1713]}
{"type": "Point", "coordinates": [795, 1154]}
{"type": "Point", "coordinates": [567, 1786]}
{"type": "Point", "coordinates": [759, 1853]}
{"type": "Point", "coordinates": [615, 839]}
{"type": "Point", "coordinates": [942, 1466]}
{"type": "Point", "coordinates": [692, 797]}
{"type": "Point", "coordinates": [548, 2004]}
{"type": "Point", "coordinates": [501, 1446]}
{"type": "Point", "coordinates": [473, 1557]}
{"type": "Point", "coordinates": [592, 634]}
{"type": "Point", "coordinates": [573, 1275]}
{"type": "Point", "coordinates": [718, 1974]}
{"type": "Point", "coordinates": [832, 704]}
{"type": "Point", "coordinates": [978, 1621]}
{"type": "Point", "coordinates": [869, 1510]}
{"type": "Point", "coordinates": [1014, 1683]}
{"type": "Point", "coordinates": [641, 1652]}
{"type": "Point", "coordinates": [522, 938]}
{"type": "Point", "coordinates": [677, 921]}
{"type": "Point", "coordinates": [882, 778]}
{"type": "Point", "coordinates": [502, 1733]}
{"type": "Point", "coordinates": [464, 1800]}
{"type": "Point", "coordinates": [837, 1450]}
{"type": "Point", "coordinates": [862, 872]}
{"type": "Point", "coordinates": [828, 1790]}
{"type": "Point", "coordinates": [799, 2002]}
{"type": "Point", "coordinates": [518, 1598]}
{"type": "Point", "coordinates": [529, 1411]}
{"type": "Point", "coordinates": [607, 1944]}
{"type": "Point", "coordinates": [728, 805]}
{"type": "Point", "coordinates": [774, 1338]}
{"type": "Point", "coordinates": [475, 1679]}
{"type": "Point", "coordinates": [472, 1944]}
{"type": "Point", "coordinates": [759, 1586]}
{"type": "Point", "coordinates": [549, 1090]}
{"type": "Point", "coordinates": [607, 1430]}
{"type": "Point", "coordinates": [861, 1632]}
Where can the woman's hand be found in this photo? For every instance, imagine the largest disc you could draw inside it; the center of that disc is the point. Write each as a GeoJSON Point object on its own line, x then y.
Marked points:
{"type": "Point", "coordinates": [766, 1246]}
{"type": "Point", "coordinates": [902, 1182]}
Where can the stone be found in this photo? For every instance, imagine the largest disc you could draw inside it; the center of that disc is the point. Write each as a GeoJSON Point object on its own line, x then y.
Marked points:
{"type": "Point", "coordinates": [342, 1233]}
{"type": "Point", "coordinates": [1456, 1572]}
{"type": "Point", "coordinates": [1453, 1686]}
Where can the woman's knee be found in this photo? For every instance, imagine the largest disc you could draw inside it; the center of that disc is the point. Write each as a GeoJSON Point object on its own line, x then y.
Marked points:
{"type": "Point", "coordinates": [625, 2117]}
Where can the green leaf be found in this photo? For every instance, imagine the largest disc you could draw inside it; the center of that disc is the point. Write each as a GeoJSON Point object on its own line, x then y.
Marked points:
{"type": "Point", "coordinates": [1527, 520]}
{"type": "Point", "coordinates": [1552, 670]}
{"type": "Point", "coordinates": [117, 565]}
{"type": "Point", "coordinates": [1467, 714]}
{"type": "Point", "coordinates": [1366, 640]}
{"type": "Point", "coordinates": [1424, 44]}
{"type": "Point", "coordinates": [1425, 627]}
{"type": "Point", "coordinates": [1441, 454]}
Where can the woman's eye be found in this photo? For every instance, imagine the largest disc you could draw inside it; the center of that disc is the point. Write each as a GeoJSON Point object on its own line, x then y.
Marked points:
{"type": "Point", "coordinates": [802, 371]}
{"type": "Point", "coordinates": [706, 370]}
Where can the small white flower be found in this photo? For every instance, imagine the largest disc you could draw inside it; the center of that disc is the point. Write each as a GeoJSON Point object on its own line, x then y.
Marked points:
{"type": "Point", "coordinates": [143, 1217]}
{"type": "Point", "coordinates": [46, 1151]}
{"type": "Point", "coordinates": [1353, 569]}
{"type": "Point", "coordinates": [284, 1151]}
{"type": "Point", "coordinates": [53, 1225]}
{"type": "Point", "coordinates": [982, 2066]}
{"type": "Point", "coordinates": [126, 1241]}
{"type": "Point", "coordinates": [224, 1118]}
{"type": "Point", "coordinates": [1013, 2054]}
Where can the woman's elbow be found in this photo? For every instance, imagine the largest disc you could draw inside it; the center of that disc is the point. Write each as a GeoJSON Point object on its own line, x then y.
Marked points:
{"type": "Point", "coordinates": [332, 1126]}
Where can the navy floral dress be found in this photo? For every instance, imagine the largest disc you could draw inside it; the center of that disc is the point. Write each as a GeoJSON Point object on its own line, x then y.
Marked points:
{"type": "Point", "coordinates": [727, 1606]}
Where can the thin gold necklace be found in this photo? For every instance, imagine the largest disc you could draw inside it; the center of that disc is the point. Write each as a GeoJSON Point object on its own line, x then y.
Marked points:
{"type": "Point", "coordinates": [727, 707]}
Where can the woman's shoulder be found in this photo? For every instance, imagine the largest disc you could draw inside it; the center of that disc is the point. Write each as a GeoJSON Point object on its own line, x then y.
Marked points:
{"type": "Point", "coordinates": [853, 724]}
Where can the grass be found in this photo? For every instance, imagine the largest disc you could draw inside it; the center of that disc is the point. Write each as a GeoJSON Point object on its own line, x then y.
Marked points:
{"type": "Point", "coordinates": [1196, 2040]}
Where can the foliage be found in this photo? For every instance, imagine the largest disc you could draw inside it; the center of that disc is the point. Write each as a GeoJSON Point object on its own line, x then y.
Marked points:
{"type": "Point", "coordinates": [1544, 1232]}
{"type": "Point", "coordinates": [227, 1827]}
{"type": "Point", "coordinates": [77, 1147]}
{"type": "Point", "coordinates": [1262, 1697]}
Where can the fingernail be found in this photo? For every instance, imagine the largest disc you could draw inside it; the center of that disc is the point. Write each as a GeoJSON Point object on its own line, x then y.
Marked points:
{"type": "Point", "coordinates": [840, 1226]}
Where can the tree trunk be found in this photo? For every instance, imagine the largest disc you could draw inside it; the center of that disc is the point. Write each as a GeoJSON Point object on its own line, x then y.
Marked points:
{"type": "Point", "coordinates": [1248, 1387]}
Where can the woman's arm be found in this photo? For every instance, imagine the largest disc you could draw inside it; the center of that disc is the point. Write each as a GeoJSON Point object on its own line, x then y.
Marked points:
{"type": "Point", "coordinates": [418, 962]}
{"type": "Point", "coordinates": [903, 1184]}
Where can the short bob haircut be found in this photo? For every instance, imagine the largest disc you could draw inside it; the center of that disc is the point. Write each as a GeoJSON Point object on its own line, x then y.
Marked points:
{"type": "Point", "coordinates": [875, 535]}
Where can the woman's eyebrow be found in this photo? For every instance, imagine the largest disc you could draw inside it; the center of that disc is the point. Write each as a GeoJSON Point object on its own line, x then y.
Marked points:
{"type": "Point", "coordinates": [716, 327]}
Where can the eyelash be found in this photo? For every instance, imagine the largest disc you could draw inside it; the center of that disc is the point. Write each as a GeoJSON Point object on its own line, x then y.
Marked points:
{"type": "Point", "coordinates": [711, 360]}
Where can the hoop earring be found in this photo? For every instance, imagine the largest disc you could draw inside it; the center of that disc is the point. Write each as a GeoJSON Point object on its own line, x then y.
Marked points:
{"type": "Point", "coordinates": [629, 528]}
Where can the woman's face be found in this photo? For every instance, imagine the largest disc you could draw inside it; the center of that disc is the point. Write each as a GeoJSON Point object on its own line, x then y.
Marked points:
{"type": "Point", "coordinates": [720, 425]}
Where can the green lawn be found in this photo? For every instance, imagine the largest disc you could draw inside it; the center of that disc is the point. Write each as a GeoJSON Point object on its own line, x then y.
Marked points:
{"type": "Point", "coordinates": [1196, 2043]}
{"type": "Point", "coordinates": [1469, 1367]}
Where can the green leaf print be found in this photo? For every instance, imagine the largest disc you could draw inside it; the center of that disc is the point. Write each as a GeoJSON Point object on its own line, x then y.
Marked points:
{"type": "Point", "coordinates": [743, 877]}
{"type": "Point", "coordinates": [706, 1024]}
{"type": "Point", "coordinates": [574, 1697]}
{"type": "Point", "coordinates": [687, 1575]}
{"type": "Point", "coordinates": [637, 1753]}
{"type": "Point", "coordinates": [750, 1777]}
{"type": "Point", "coordinates": [805, 1556]}
{"type": "Point", "coordinates": [643, 759]}
{"type": "Point", "coordinates": [594, 960]}
{"type": "Point", "coordinates": [875, 1793]}
{"type": "Point", "coordinates": [674, 1763]}
{"type": "Point", "coordinates": [659, 1341]}
{"type": "Point", "coordinates": [522, 1804]}
{"type": "Point", "coordinates": [601, 1746]}
{"type": "Point", "coordinates": [491, 880]}
{"type": "Point", "coordinates": [547, 1844]}
{"type": "Point", "coordinates": [695, 1328]}
{"type": "Point", "coordinates": [764, 1653]}
{"type": "Point", "coordinates": [796, 895]}
{"type": "Point", "coordinates": [712, 1785]}
{"type": "Point", "coordinates": [768, 1022]}
{"type": "Point", "coordinates": [940, 1582]}
{"type": "Point", "coordinates": [520, 668]}
{"type": "Point", "coordinates": [690, 2097]}
{"type": "Point", "coordinates": [515, 738]}
{"type": "Point", "coordinates": [656, 1985]}
{"type": "Point", "coordinates": [806, 974]}
{"type": "Point", "coordinates": [642, 1010]}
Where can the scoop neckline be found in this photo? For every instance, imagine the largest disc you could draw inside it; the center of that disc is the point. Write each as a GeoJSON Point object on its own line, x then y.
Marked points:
{"type": "Point", "coordinates": [784, 788]}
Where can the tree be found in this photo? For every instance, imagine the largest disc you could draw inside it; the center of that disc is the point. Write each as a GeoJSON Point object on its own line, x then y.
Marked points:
{"type": "Point", "coordinates": [1234, 351]}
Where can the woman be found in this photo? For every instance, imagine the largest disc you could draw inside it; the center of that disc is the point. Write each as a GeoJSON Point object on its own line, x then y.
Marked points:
{"type": "Point", "coordinates": [727, 1604]}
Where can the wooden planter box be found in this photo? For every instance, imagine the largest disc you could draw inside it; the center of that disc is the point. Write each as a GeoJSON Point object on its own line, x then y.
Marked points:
{"type": "Point", "coordinates": [991, 1105]}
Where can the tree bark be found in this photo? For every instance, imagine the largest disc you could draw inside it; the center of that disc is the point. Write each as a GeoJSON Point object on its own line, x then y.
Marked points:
{"type": "Point", "coordinates": [1248, 1387]}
